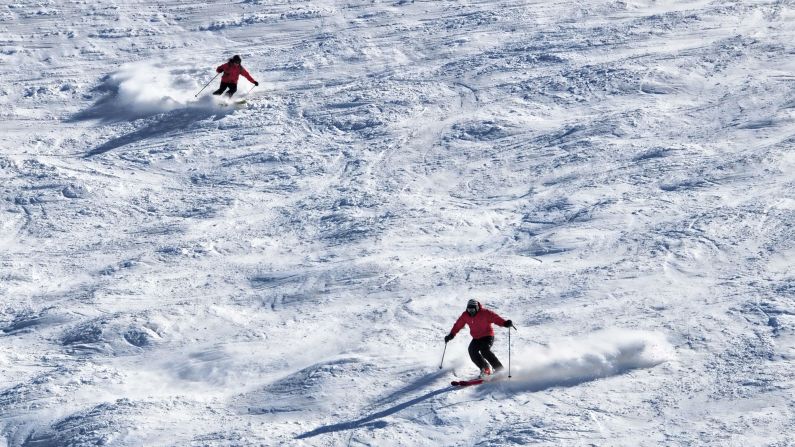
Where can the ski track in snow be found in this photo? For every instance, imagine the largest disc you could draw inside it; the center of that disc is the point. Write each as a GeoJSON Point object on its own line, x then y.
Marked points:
{"type": "Point", "coordinates": [614, 176]}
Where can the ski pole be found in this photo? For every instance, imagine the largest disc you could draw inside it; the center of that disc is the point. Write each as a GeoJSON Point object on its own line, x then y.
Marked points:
{"type": "Point", "coordinates": [509, 349]}
{"type": "Point", "coordinates": [252, 88]}
{"type": "Point", "coordinates": [443, 352]}
{"type": "Point", "coordinates": [509, 353]}
{"type": "Point", "coordinates": [211, 81]}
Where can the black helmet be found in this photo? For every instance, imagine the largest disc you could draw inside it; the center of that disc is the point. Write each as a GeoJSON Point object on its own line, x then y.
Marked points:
{"type": "Point", "coordinates": [235, 59]}
{"type": "Point", "coordinates": [472, 307]}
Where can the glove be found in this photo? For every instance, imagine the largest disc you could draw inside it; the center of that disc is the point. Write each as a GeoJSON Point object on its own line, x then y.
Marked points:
{"type": "Point", "coordinates": [256, 84]}
{"type": "Point", "coordinates": [448, 337]}
{"type": "Point", "coordinates": [508, 323]}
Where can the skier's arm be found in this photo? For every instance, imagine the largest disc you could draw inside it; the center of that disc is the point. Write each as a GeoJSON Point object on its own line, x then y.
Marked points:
{"type": "Point", "coordinates": [496, 319]}
{"type": "Point", "coordinates": [246, 75]}
{"type": "Point", "coordinates": [220, 68]}
{"type": "Point", "coordinates": [459, 324]}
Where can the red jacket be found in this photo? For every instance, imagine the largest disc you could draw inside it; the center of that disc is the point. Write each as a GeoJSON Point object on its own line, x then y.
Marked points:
{"type": "Point", "coordinates": [480, 324]}
{"type": "Point", "coordinates": [232, 72]}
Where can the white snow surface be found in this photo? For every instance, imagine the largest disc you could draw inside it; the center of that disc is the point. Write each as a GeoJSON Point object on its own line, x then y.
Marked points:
{"type": "Point", "coordinates": [614, 176]}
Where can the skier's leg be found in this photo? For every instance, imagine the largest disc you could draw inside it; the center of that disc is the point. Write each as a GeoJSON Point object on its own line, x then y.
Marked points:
{"type": "Point", "coordinates": [221, 89]}
{"type": "Point", "coordinates": [488, 355]}
{"type": "Point", "coordinates": [474, 354]}
{"type": "Point", "coordinates": [232, 90]}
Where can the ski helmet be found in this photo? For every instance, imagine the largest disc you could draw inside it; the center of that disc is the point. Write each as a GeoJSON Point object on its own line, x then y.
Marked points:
{"type": "Point", "coordinates": [235, 58]}
{"type": "Point", "coordinates": [472, 307]}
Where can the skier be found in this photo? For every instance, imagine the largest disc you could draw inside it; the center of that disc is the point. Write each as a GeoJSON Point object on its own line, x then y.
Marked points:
{"type": "Point", "coordinates": [232, 71]}
{"type": "Point", "coordinates": [480, 321]}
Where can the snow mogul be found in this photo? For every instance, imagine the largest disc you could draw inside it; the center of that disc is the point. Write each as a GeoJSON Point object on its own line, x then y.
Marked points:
{"type": "Point", "coordinates": [480, 320]}
{"type": "Point", "coordinates": [232, 71]}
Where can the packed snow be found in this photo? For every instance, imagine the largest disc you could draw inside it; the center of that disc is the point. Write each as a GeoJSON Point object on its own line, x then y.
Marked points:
{"type": "Point", "coordinates": [614, 176]}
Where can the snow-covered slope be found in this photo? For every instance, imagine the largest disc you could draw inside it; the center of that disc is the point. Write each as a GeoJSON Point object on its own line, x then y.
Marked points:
{"type": "Point", "coordinates": [614, 176]}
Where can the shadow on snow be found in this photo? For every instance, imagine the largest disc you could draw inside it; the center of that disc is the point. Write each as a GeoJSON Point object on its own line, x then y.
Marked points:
{"type": "Point", "coordinates": [169, 123]}
{"type": "Point", "coordinates": [372, 420]}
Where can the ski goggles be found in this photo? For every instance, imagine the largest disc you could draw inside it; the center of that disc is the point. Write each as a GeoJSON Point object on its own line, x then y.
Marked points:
{"type": "Point", "coordinates": [472, 310]}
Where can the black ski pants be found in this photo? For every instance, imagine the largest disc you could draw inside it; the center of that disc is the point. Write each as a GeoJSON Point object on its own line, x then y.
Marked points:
{"type": "Point", "coordinates": [480, 353]}
{"type": "Point", "coordinates": [226, 85]}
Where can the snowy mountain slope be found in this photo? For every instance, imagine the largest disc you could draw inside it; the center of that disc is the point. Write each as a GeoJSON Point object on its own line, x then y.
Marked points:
{"type": "Point", "coordinates": [614, 176]}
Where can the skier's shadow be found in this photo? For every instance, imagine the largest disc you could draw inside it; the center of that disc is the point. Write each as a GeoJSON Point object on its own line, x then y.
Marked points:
{"type": "Point", "coordinates": [373, 419]}
{"type": "Point", "coordinates": [170, 124]}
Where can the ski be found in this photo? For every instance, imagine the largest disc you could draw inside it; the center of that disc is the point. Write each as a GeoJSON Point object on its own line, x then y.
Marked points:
{"type": "Point", "coordinates": [467, 382]}
{"type": "Point", "coordinates": [478, 381]}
